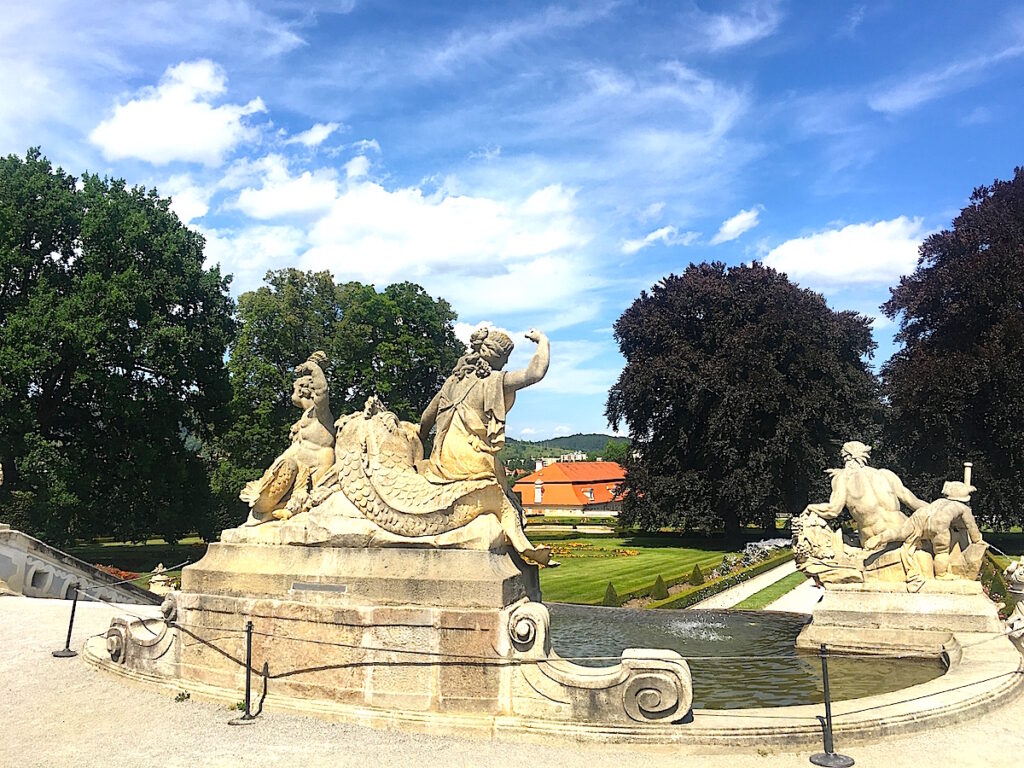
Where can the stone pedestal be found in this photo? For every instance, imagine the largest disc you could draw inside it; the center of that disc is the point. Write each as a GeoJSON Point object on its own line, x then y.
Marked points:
{"type": "Point", "coordinates": [410, 634]}
{"type": "Point", "coordinates": [409, 629]}
{"type": "Point", "coordinates": [884, 618]}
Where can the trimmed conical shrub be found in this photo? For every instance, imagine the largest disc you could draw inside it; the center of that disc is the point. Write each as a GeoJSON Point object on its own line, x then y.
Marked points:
{"type": "Point", "coordinates": [696, 577]}
{"type": "Point", "coordinates": [659, 591]}
{"type": "Point", "coordinates": [611, 597]}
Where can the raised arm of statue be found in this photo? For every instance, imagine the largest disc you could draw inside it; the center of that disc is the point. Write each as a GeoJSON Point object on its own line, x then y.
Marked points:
{"type": "Point", "coordinates": [315, 372]}
{"type": "Point", "coordinates": [537, 367]}
{"type": "Point", "coordinates": [903, 493]}
{"type": "Point", "coordinates": [836, 502]}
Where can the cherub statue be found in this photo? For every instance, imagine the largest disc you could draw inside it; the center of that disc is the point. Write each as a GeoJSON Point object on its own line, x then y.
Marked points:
{"type": "Point", "coordinates": [283, 488]}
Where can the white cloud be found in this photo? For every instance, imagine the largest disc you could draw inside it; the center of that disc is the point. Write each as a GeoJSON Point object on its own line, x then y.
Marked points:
{"type": "Point", "coordinates": [315, 136]}
{"type": "Point", "coordinates": [249, 252]}
{"type": "Point", "coordinates": [977, 116]}
{"type": "Point", "coordinates": [561, 429]}
{"type": "Point", "coordinates": [853, 21]}
{"type": "Point", "coordinates": [376, 234]}
{"type": "Point", "coordinates": [365, 145]}
{"type": "Point", "coordinates": [725, 31]}
{"type": "Point", "coordinates": [668, 235]}
{"type": "Point", "coordinates": [527, 431]}
{"type": "Point", "coordinates": [872, 252]}
{"type": "Point", "coordinates": [357, 167]}
{"type": "Point", "coordinates": [652, 211]}
{"type": "Point", "coordinates": [176, 120]}
{"type": "Point", "coordinates": [733, 227]}
{"type": "Point", "coordinates": [927, 86]}
{"type": "Point", "coordinates": [282, 194]}
{"type": "Point", "coordinates": [486, 153]}
{"type": "Point", "coordinates": [189, 200]}
{"type": "Point", "coordinates": [466, 45]}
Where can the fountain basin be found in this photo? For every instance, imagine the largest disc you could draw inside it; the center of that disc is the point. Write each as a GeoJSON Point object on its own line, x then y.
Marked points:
{"type": "Point", "coordinates": [738, 659]}
{"type": "Point", "coordinates": [984, 673]}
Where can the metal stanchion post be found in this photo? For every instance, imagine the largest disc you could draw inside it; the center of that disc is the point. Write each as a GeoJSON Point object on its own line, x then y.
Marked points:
{"type": "Point", "coordinates": [247, 717]}
{"type": "Point", "coordinates": [66, 652]}
{"type": "Point", "coordinates": [828, 758]}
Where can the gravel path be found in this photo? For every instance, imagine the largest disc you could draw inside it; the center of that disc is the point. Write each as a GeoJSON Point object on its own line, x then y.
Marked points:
{"type": "Point", "coordinates": [741, 592]}
{"type": "Point", "coordinates": [60, 712]}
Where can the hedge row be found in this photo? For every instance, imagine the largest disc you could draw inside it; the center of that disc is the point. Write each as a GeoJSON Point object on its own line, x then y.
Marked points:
{"type": "Point", "coordinates": [648, 591]}
{"type": "Point", "coordinates": [688, 597]}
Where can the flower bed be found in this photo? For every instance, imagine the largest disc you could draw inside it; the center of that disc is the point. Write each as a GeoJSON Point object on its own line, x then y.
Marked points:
{"type": "Point", "coordinates": [586, 549]}
{"type": "Point", "coordinates": [117, 573]}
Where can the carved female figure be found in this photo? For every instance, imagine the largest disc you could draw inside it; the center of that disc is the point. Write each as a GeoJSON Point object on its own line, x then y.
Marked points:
{"type": "Point", "coordinates": [469, 413]}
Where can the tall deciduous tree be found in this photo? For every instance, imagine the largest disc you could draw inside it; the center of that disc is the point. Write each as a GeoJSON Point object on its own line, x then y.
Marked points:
{"type": "Point", "coordinates": [399, 344]}
{"type": "Point", "coordinates": [112, 338]}
{"type": "Point", "coordinates": [738, 389]}
{"type": "Point", "coordinates": [956, 388]}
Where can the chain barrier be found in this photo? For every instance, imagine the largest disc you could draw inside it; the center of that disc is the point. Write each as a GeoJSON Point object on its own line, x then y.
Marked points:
{"type": "Point", "coordinates": [829, 757]}
{"type": "Point", "coordinates": [66, 652]}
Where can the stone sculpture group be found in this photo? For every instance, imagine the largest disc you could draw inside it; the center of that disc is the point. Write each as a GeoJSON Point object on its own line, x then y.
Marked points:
{"type": "Point", "coordinates": [363, 480]}
{"type": "Point", "coordinates": [938, 540]}
{"type": "Point", "coordinates": [391, 586]}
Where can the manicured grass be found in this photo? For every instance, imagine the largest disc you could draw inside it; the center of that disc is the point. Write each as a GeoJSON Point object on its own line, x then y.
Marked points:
{"type": "Point", "coordinates": [140, 557]}
{"type": "Point", "coordinates": [772, 592]}
{"type": "Point", "coordinates": [584, 579]}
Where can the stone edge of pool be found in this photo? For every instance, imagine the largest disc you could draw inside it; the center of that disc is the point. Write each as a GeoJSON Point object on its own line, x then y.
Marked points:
{"type": "Point", "coordinates": [989, 674]}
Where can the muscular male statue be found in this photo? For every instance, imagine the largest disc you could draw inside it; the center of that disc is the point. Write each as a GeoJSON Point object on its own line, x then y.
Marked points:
{"type": "Point", "coordinates": [872, 495]}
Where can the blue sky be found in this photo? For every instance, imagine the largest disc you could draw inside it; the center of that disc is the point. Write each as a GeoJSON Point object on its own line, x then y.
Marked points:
{"type": "Point", "coordinates": [535, 164]}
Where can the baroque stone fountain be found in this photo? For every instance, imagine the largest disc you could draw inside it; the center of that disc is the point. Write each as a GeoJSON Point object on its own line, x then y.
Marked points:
{"type": "Point", "coordinates": [390, 587]}
{"type": "Point", "coordinates": [395, 589]}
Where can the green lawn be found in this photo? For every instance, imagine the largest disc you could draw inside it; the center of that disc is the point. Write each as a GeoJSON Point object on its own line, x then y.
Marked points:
{"type": "Point", "coordinates": [140, 557]}
{"type": "Point", "coordinates": [772, 592]}
{"type": "Point", "coordinates": [584, 579]}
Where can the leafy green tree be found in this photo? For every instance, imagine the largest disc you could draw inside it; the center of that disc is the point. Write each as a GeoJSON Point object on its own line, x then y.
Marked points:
{"type": "Point", "coordinates": [956, 387]}
{"type": "Point", "coordinates": [112, 339]}
{"type": "Point", "coordinates": [616, 450]}
{"type": "Point", "coordinates": [399, 344]}
{"type": "Point", "coordinates": [738, 389]}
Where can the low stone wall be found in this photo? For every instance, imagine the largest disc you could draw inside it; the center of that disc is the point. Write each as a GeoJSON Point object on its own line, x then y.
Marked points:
{"type": "Point", "coordinates": [987, 674]}
{"type": "Point", "coordinates": [34, 569]}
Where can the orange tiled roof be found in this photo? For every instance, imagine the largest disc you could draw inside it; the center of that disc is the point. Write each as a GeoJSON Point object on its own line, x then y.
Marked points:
{"type": "Point", "coordinates": [564, 483]}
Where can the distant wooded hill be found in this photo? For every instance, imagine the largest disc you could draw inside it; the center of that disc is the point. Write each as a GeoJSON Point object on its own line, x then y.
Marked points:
{"type": "Point", "coordinates": [592, 444]}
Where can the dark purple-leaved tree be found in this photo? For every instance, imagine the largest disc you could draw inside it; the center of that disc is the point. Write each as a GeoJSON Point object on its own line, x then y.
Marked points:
{"type": "Point", "coordinates": [956, 388]}
{"type": "Point", "coordinates": [738, 389]}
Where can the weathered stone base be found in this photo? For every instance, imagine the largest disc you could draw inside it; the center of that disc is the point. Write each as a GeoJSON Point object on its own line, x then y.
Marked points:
{"type": "Point", "coordinates": [884, 618]}
{"type": "Point", "coordinates": [390, 630]}
{"type": "Point", "coordinates": [469, 651]}
{"type": "Point", "coordinates": [987, 677]}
